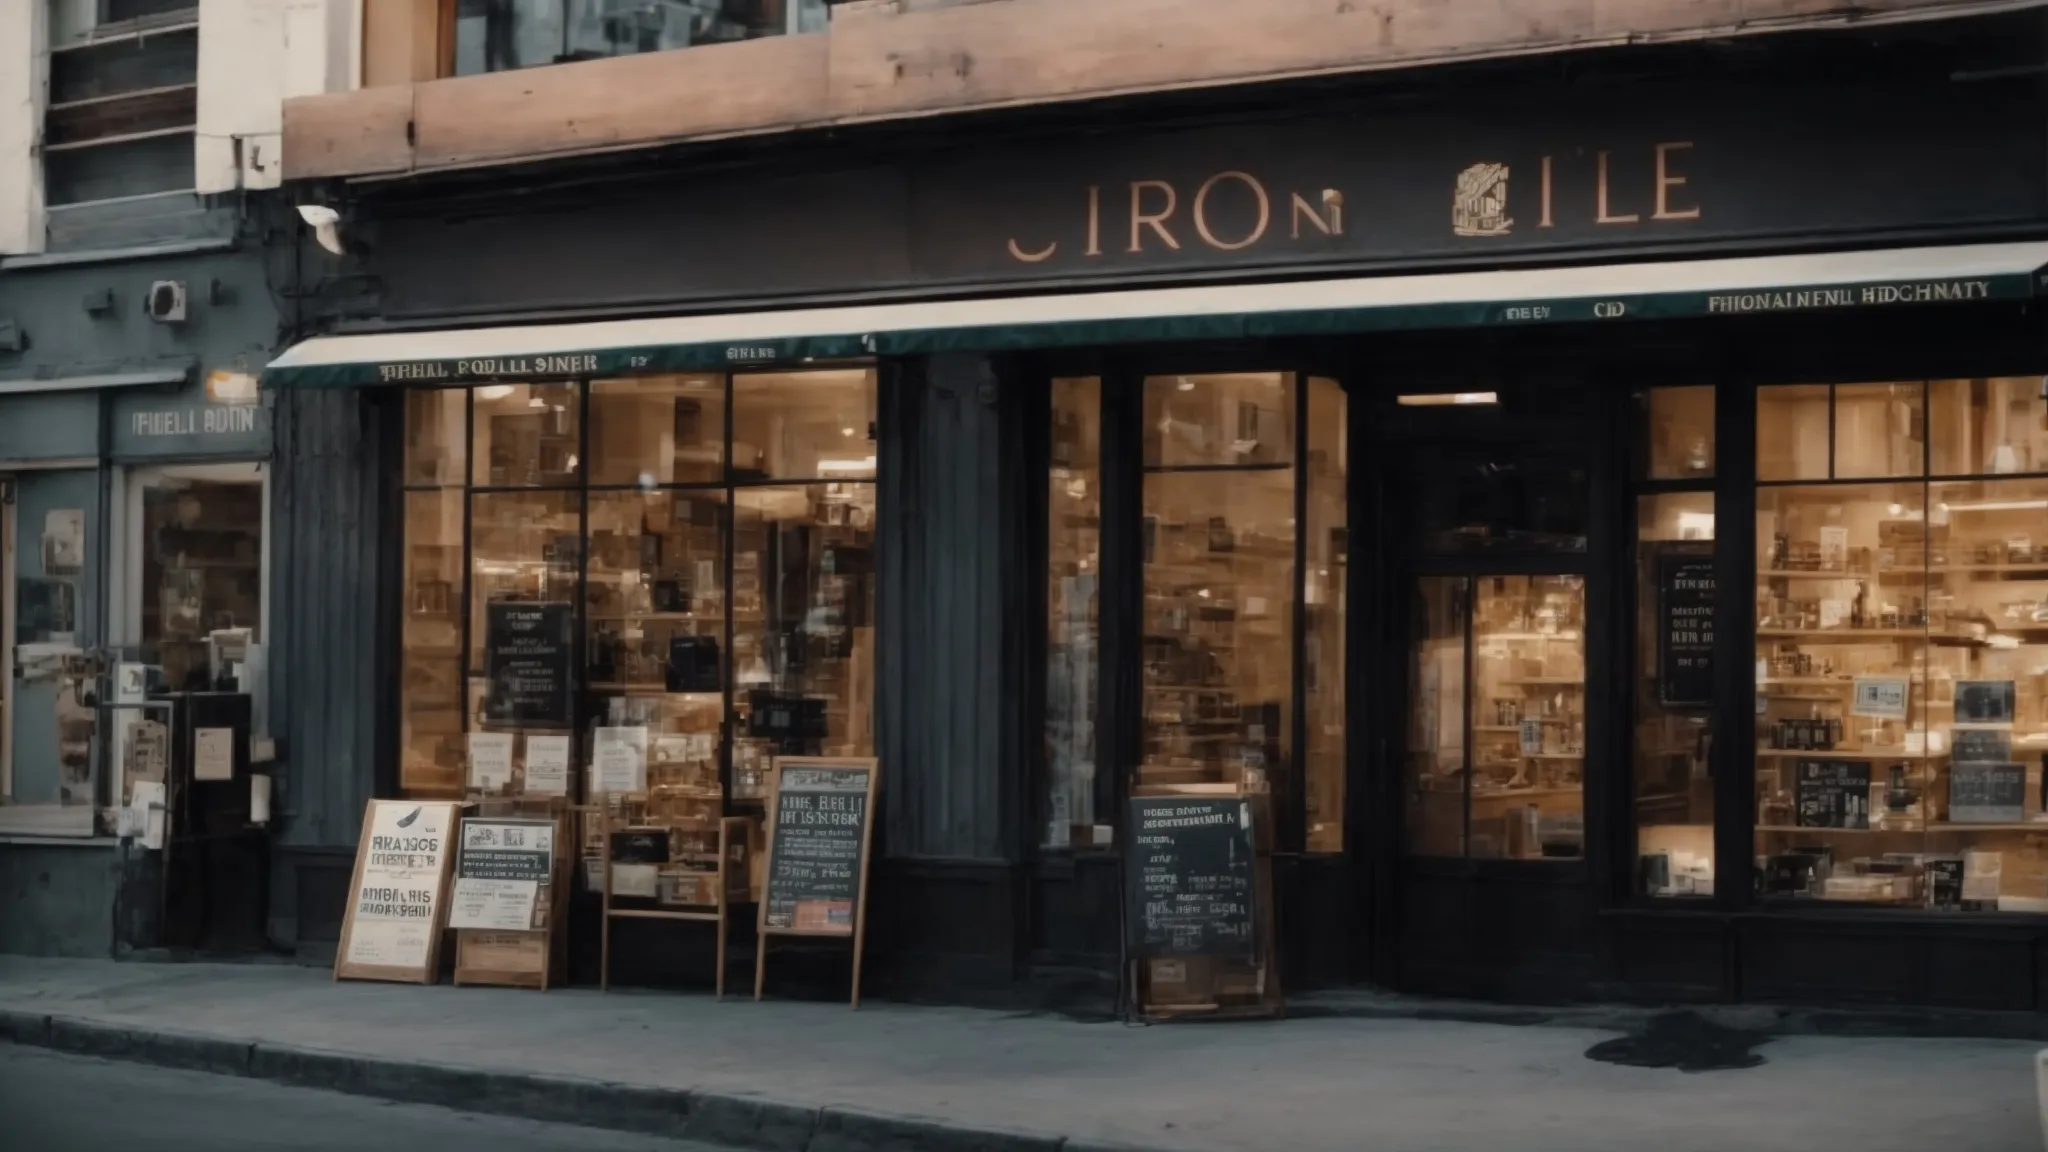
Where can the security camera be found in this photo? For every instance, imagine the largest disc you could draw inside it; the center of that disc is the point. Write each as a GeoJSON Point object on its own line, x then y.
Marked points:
{"type": "Point", "coordinates": [326, 225]}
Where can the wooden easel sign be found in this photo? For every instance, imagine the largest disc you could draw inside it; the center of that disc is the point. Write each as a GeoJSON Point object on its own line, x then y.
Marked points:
{"type": "Point", "coordinates": [1201, 940]}
{"type": "Point", "coordinates": [397, 897]}
{"type": "Point", "coordinates": [504, 905]}
{"type": "Point", "coordinates": [821, 818]}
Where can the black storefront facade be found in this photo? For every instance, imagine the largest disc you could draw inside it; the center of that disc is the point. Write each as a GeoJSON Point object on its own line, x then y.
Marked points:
{"type": "Point", "coordinates": [1538, 485]}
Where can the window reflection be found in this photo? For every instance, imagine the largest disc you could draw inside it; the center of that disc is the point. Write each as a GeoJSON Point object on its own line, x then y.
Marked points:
{"type": "Point", "coordinates": [804, 426]}
{"type": "Point", "coordinates": [500, 35]}
{"type": "Point", "coordinates": [1072, 612]}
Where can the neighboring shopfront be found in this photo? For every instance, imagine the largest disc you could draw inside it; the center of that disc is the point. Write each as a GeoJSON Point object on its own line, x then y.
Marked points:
{"type": "Point", "coordinates": [1476, 478]}
{"type": "Point", "coordinates": [134, 453]}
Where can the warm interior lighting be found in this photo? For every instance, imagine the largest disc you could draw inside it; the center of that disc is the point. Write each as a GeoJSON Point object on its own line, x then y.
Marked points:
{"type": "Point", "coordinates": [1998, 506]}
{"type": "Point", "coordinates": [1445, 399]}
{"type": "Point", "coordinates": [490, 392]}
{"type": "Point", "coordinates": [861, 466]}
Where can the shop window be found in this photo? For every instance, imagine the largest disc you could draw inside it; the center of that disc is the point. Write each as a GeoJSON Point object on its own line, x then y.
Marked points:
{"type": "Point", "coordinates": [1327, 535]}
{"type": "Point", "coordinates": [431, 697]}
{"type": "Point", "coordinates": [197, 548]}
{"type": "Point", "coordinates": [500, 35]}
{"type": "Point", "coordinates": [1219, 585]}
{"type": "Point", "coordinates": [802, 603]}
{"type": "Point", "coordinates": [436, 437]}
{"type": "Point", "coordinates": [1073, 614]}
{"type": "Point", "coordinates": [1439, 718]}
{"type": "Point", "coordinates": [804, 426]}
{"type": "Point", "coordinates": [1680, 433]}
{"type": "Point", "coordinates": [1497, 745]}
{"type": "Point", "coordinates": [656, 609]}
{"type": "Point", "coordinates": [730, 617]}
{"type": "Point", "coordinates": [52, 603]}
{"type": "Point", "coordinates": [1840, 431]}
{"type": "Point", "coordinates": [526, 435]}
{"type": "Point", "coordinates": [1674, 696]}
{"type": "Point", "coordinates": [1903, 714]}
{"type": "Point", "coordinates": [658, 430]}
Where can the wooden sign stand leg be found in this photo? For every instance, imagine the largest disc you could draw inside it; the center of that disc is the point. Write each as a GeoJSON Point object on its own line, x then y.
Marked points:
{"type": "Point", "coordinates": [760, 964]}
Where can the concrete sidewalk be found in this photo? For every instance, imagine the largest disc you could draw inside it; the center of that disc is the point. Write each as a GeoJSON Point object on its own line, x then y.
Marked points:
{"type": "Point", "coordinates": [806, 1077]}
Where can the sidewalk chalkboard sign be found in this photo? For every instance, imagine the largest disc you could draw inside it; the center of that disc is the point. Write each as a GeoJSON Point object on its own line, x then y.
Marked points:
{"type": "Point", "coordinates": [1193, 878]}
{"type": "Point", "coordinates": [526, 662]}
{"type": "Point", "coordinates": [397, 901]}
{"type": "Point", "coordinates": [1685, 630]}
{"type": "Point", "coordinates": [820, 820]}
{"type": "Point", "coordinates": [1833, 793]}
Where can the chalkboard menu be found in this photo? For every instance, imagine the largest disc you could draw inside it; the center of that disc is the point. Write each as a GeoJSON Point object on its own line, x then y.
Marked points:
{"type": "Point", "coordinates": [526, 660]}
{"type": "Point", "coordinates": [1833, 793]}
{"type": "Point", "coordinates": [817, 848]}
{"type": "Point", "coordinates": [1193, 878]}
{"type": "Point", "coordinates": [1987, 793]}
{"type": "Point", "coordinates": [1685, 630]}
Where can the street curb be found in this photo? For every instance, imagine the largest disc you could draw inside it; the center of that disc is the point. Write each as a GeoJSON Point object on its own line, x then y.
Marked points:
{"type": "Point", "coordinates": [726, 1119]}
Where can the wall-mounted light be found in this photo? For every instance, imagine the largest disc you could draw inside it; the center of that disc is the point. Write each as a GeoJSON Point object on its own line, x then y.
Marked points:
{"type": "Point", "coordinates": [326, 225]}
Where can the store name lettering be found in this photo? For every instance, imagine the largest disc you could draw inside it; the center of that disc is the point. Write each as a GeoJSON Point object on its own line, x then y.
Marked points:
{"type": "Point", "coordinates": [223, 420]}
{"type": "Point", "coordinates": [1162, 216]}
{"type": "Point", "coordinates": [487, 369]}
{"type": "Point", "coordinates": [1930, 292]}
{"type": "Point", "coordinates": [1158, 215]}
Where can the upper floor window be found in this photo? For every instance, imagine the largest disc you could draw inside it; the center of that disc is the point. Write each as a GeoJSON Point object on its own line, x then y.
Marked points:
{"type": "Point", "coordinates": [123, 102]}
{"type": "Point", "coordinates": [499, 35]}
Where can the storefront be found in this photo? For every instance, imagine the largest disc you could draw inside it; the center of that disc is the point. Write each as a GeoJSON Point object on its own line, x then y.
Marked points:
{"type": "Point", "coordinates": [135, 453]}
{"type": "Point", "coordinates": [1478, 490]}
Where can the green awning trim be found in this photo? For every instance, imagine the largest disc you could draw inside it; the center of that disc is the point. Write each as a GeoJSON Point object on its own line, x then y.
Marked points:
{"type": "Point", "coordinates": [1595, 295]}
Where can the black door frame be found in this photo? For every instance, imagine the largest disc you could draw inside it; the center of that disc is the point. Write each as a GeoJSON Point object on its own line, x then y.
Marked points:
{"type": "Point", "coordinates": [1386, 563]}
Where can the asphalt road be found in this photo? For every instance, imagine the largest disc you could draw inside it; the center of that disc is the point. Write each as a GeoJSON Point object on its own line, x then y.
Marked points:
{"type": "Point", "coordinates": [56, 1103]}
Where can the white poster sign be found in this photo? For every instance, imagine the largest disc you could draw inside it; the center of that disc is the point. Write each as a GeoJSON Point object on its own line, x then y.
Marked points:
{"type": "Point", "coordinates": [498, 905]}
{"type": "Point", "coordinates": [213, 754]}
{"type": "Point", "coordinates": [1880, 697]}
{"type": "Point", "coordinates": [547, 765]}
{"type": "Point", "coordinates": [621, 760]}
{"type": "Point", "coordinates": [490, 760]}
{"type": "Point", "coordinates": [395, 910]}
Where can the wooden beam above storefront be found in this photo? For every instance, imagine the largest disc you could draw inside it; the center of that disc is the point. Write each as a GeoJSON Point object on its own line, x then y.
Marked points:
{"type": "Point", "coordinates": [893, 59]}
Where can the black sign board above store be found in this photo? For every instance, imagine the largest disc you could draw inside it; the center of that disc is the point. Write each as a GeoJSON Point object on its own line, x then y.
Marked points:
{"type": "Point", "coordinates": [1487, 177]}
{"type": "Point", "coordinates": [1192, 879]}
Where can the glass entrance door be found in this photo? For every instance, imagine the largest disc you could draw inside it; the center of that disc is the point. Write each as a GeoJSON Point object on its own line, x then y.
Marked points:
{"type": "Point", "coordinates": [1497, 733]}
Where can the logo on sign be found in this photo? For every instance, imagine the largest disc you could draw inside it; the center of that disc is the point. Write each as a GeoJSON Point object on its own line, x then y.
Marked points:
{"type": "Point", "coordinates": [1479, 202]}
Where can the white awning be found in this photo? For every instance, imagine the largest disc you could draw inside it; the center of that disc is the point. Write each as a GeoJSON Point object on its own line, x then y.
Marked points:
{"type": "Point", "coordinates": [1602, 293]}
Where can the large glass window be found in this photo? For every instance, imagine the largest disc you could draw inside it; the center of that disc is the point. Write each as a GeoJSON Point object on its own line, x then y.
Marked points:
{"type": "Point", "coordinates": [54, 615]}
{"type": "Point", "coordinates": [1219, 579]}
{"type": "Point", "coordinates": [1673, 699]}
{"type": "Point", "coordinates": [1073, 641]}
{"type": "Point", "coordinates": [499, 35]}
{"type": "Point", "coordinates": [1901, 648]}
{"type": "Point", "coordinates": [703, 544]}
{"type": "Point", "coordinates": [1242, 632]}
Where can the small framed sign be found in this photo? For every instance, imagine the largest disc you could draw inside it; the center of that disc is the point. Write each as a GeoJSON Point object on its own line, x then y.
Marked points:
{"type": "Point", "coordinates": [1880, 697]}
